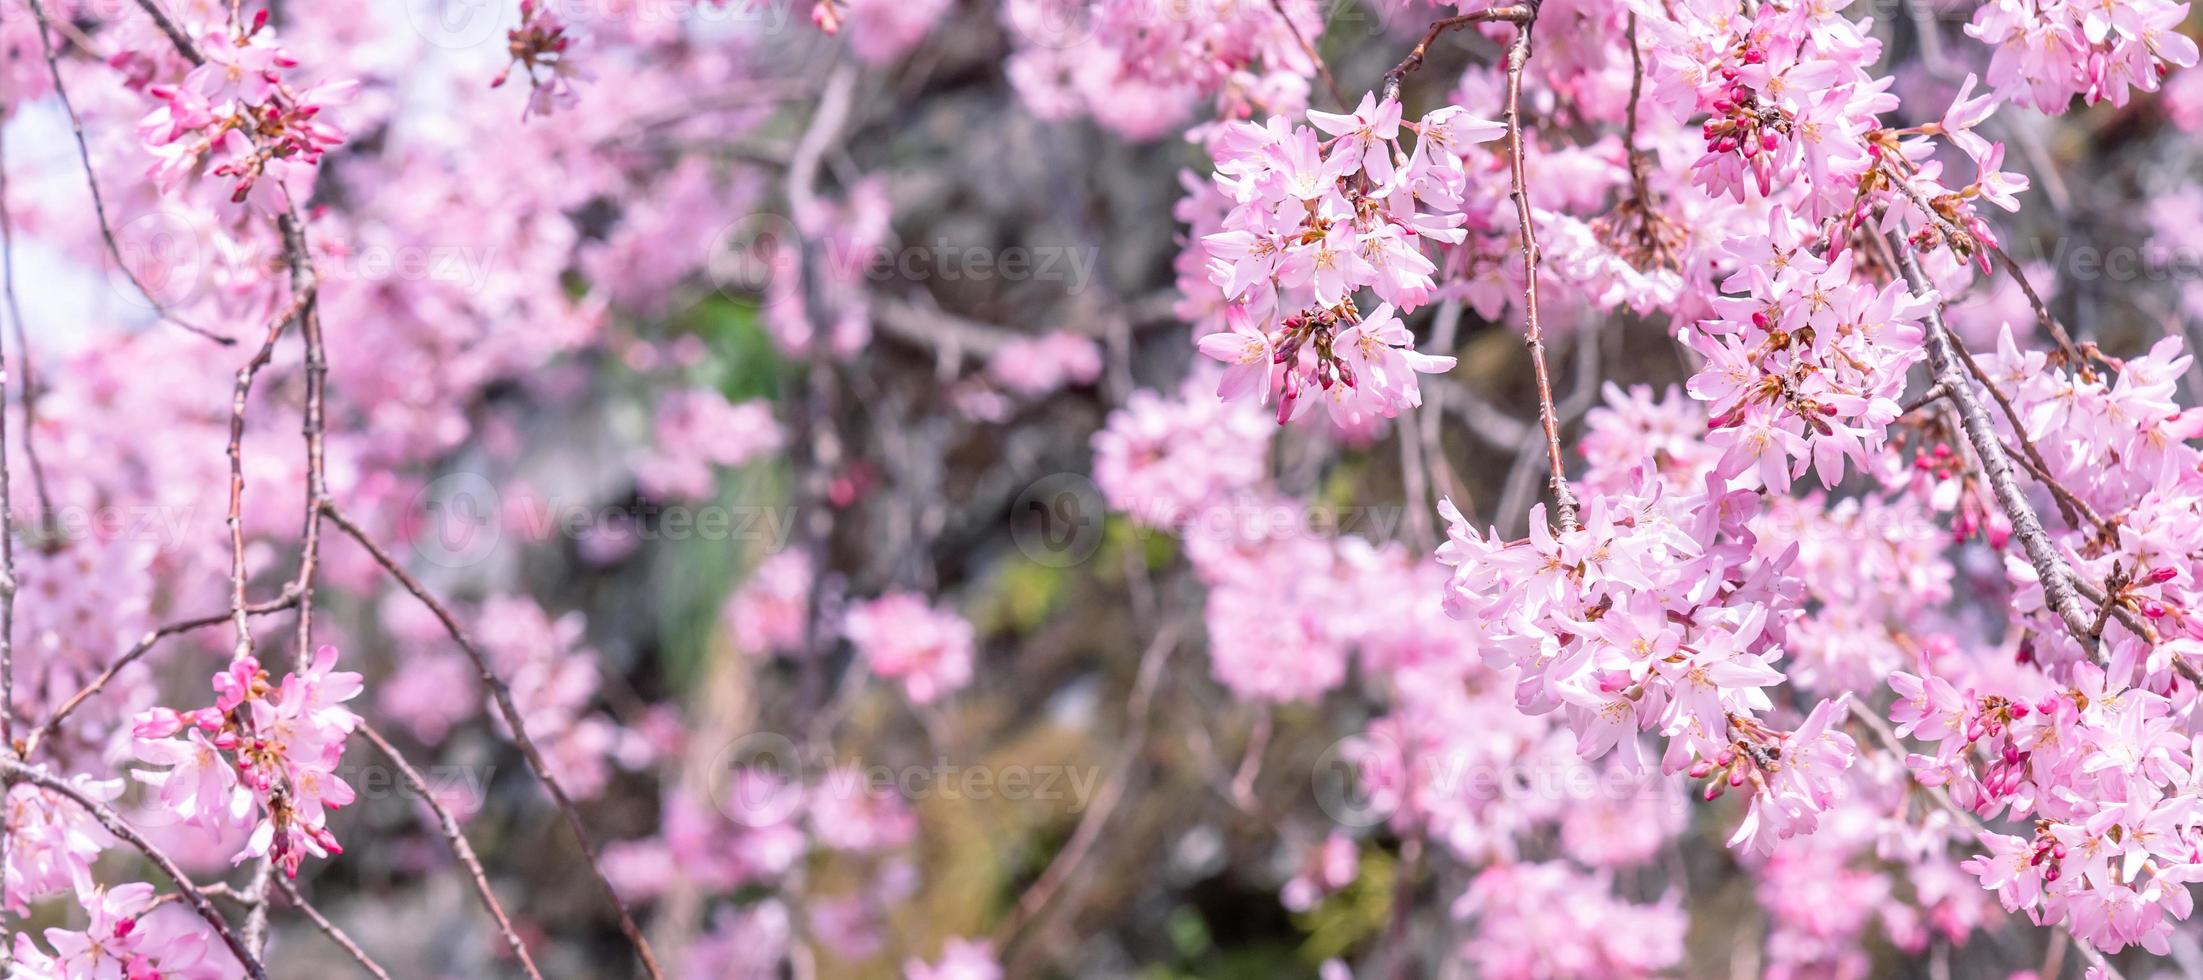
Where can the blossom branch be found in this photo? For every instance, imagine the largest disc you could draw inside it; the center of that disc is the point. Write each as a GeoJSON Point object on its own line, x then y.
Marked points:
{"type": "Point", "coordinates": [139, 649]}
{"type": "Point", "coordinates": [1941, 797]}
{"type": "Point", "coordinates": [1950, 231]}
{"type": "Point", "coordinates": [1518, 55]}
{"type": "Point", "coordinates": [2056, 577]}
{"type": "Point", "coordinates": [91, 180]}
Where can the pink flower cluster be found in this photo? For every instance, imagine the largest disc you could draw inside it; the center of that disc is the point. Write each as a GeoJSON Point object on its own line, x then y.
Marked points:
{"type": "Point", "coordinates": [263, 755]}
{"type": "Point", "coordinates": [697, 431]}
{"type": "Point", "coordinates": [1162, 460]}
{"type": "Point", "coordinates": [1140, 68]}
{"type": "Point", "coordinates": [1804, 369]}
{"type": "Point", "coordinates": [2046, 53]}
{"type": "Point", "coordinates": [128, 935]}
{"type": "Point", "coordinates": [1656, 615]}
{"type": "Point", "coordinates": [903, 638]}
{"type": "Point", "coordinates": [239, 117]}
{"type": "Point", "coordinates": [1314, 222]}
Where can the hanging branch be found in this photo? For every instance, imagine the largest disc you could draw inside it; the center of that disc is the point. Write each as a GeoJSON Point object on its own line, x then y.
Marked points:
{"type": "Point", "coordinates": [459, 846]}
{"type": "Point", "coordinates": [502, 695]}
{"type": "Point", "coordinates": [29, 397]}
{"type": "Point", "coordinates": [139, 649]}
{"type": "Point", "coordinates": [13, 771]}
{"type": "Point", "coordinates": [330, 929]}
{"type": "Point", "coordinates": [2056, 577]}
{"type": "Point", "coordinates": [91, 178]}
{"type": "Point", "coordinates": [1518, 55]}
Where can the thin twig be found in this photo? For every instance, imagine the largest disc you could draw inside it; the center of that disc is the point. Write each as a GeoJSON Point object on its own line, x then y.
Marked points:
{"type": "Point", "coordinates": [1950, 231]}
{"type": "Point", "coordinates": [459, 846]}
{"type": "Point", "coordinates": [1925, 398]}
{"type": "Point", "coordinates": [1520, 13]}
{"type": "Point", "coordinates": [29, 397]}
{"type": "Point", "coordinates": [91, 180]}
{"type": "Point", "coordinates": [2056, 578]}
{"type": "Point", "coordinates": [139, 649]}
{"type": "Point", "coordinates": [2019, 428]}
{"type": "Point", "coordinates": [240, 393]}
{"type": "Point", "coordinates": [8, 748]}
{"type": "Point", "coordinates": [1322, 70]}
{"type": "Point", "coordinates": [1518, 55]}
{"type": "Point", "coordinates": [304, 283]}
{"type": "Point", "coordinates": [330, 929]}
{"type": "Point", "coordinates": [12, 771]}
{"type": "Point", "coordinates": [1075, 851]}
{"type": "Point", "coordinates": [502, 695]}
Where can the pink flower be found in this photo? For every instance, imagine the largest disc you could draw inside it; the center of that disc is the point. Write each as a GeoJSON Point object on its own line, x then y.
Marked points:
{"type": "Point", "coordinates": [902, 638]}
{"type": "Point", "coordinates": [961, 959]}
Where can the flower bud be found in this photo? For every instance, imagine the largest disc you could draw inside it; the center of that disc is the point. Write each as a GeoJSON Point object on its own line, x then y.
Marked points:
{"type": "Point", "coordinates": [158, 723]}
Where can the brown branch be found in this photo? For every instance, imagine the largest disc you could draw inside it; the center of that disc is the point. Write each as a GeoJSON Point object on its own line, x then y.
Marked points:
{"type": "Point", "coordinates": [2042, 310]}
{"type": "Point", "coordinates": [2050, 567]}
{"type": "Point", "coordinates": [1518, 55]}
{"type": "Point", "coordinates": [459, 846]}
{"type": "Point", "coordinates": [304, 283]}
{"type": "Point", "coordinates": [1330, 83]}
{"type": "Point", "coordinates": [176, 35]}
{"type": "Point", "coordinates": [1950, 231]}
{"type": "Point", "coordinates": [139, 649]}
{"type": "Point", "coordinates": [91, 180]}
{"type": "Point", "coordinates": [22, 357]}
{"type": "Point", "coordinates": [1635, 157]}
{"type": "Point", "coordinates": [502, 695]}
{"type": "Point", "coordinates": [1520, 13]}
{"type": "Point", "coordinates": [330, 929]}
{"type": "Point", "coordinates": [13, 771]}
{"type": "Point", "coordinates": [2072, 505]}
{"type": "Point", "coordinates": [1081, 844]}
{"type": "Point", "coordinates": [2032, 456]}
{"type": "Point", "coordinates": [239, 394]}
